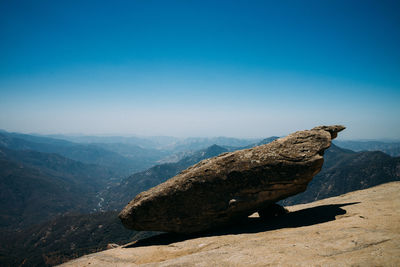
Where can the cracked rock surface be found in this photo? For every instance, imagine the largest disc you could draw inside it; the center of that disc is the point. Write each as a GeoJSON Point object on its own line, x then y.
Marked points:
{"type": "Point", "coordinates": [231, 186]}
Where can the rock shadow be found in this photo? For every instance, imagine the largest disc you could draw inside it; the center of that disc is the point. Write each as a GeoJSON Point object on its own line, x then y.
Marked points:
{"type": "Point", "coordinates": [300, 218]}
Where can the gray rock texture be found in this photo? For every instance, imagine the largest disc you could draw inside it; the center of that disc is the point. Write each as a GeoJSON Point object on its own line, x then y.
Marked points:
{"type": "Point", "coordinates": [360, 228]}
{"type": "Point", "coordinates": [231, 186]}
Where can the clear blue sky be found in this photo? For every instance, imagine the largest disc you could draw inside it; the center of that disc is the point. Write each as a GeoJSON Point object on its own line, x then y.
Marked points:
{"type": "Point", "coordinates": [200, 68]}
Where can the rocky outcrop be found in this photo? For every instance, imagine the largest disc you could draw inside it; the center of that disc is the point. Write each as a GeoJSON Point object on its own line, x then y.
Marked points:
{"type": "Point", "coordinates": [231, 186]}
{"type": "Point", "coordinates": [357, 229]}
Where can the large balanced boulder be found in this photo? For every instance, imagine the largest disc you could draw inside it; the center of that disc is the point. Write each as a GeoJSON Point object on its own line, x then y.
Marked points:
{"type": "Point", "coordinates": [231, 186]}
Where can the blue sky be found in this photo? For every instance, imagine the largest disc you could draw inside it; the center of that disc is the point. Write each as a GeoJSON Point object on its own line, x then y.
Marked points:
{"type": "Point", "coordinates": [200, 68]}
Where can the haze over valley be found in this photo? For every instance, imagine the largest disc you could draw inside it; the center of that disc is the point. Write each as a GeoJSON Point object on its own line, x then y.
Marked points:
{"type": "Point", "coordinates": [101, 101]}
{"type": "Point", "coordinates": [63, 197]}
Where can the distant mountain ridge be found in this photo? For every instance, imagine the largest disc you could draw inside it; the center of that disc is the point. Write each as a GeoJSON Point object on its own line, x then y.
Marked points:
{"type": "Point", "coordinates": [37, 186]}
{"type": "Point", "coordinates": [346, 166]}
{"type": "Point", "coordinates": [92, 175]}
{"type": "Point", "coordinates": [346, 171]}
{"type": "Point", "coordinates": [390, 148]}
{"type": "Point", "coordinates": [65, 187]}
{"type": "Point", "coordinates": [165, 143]}
{"type": "Point", "coordinates": [118, 196]}
{"type": "Point", "coordinates": [125, 155]}
{"type": "Point", "coordinates": [69, 236]}
{"type": "Point", "coordinates": [86, 153]}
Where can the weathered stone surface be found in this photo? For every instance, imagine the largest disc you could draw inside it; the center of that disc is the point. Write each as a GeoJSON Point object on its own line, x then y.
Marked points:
{"type": "Point", "coordinates": [231, 186]}
{"type": "Point", "coordinates": [112, 245]}
{"type": "Point", "coordinates": [360, 228]}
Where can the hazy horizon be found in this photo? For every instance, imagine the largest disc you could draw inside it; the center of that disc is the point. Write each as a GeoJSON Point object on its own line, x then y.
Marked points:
{"type": "Point", "coordinates": [200, 68]}
{"type": "Point", "coordinates": [122, 135]}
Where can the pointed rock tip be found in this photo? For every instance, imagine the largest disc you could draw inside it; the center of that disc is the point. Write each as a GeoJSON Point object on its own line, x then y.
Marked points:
{"type": "Point", "coordinates": [332, 129]}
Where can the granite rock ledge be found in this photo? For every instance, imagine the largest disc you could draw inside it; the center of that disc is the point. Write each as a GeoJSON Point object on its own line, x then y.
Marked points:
{"type": "Point", "coordinates": [231, 186]}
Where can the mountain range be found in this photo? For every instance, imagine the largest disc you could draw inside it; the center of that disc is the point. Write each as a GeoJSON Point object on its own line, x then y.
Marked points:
{"type": "Point", "coordinates": [36, 186]}
{"type": "Point", "coordinates": [390, 148]}
{"type": "Point", "coordinates": [119, 195]}
{"type": "Point", "coordinates": [100, 154]}
{"type": "Point", "coordinates": [346, 171]}
{"type": "Point", "coordinates": [167, 143]}
{"type": "Point", "coordinates": [60, 199]}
